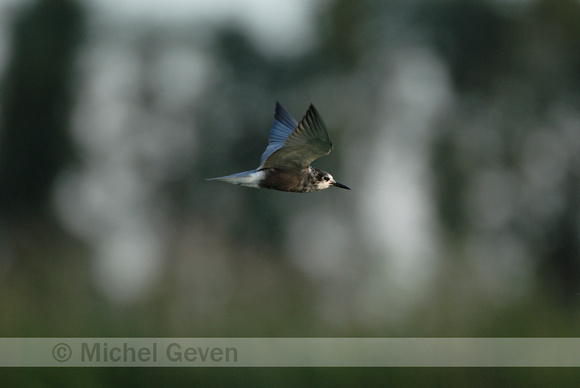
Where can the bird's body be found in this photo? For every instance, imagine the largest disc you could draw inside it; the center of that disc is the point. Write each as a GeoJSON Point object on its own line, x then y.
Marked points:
{"type": "Point", "coordinates": [285, 164]}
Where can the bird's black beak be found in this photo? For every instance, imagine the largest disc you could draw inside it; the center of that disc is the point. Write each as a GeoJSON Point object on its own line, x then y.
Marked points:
{"type": "Point", "coordinates": [336, 184]}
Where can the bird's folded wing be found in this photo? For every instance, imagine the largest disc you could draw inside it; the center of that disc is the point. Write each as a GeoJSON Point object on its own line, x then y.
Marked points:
{"type": "Point", "coordinates": [306, 142]}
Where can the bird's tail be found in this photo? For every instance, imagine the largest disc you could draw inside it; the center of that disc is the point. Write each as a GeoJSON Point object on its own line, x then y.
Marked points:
{"type": "Point", "coordinates": [246, 178]}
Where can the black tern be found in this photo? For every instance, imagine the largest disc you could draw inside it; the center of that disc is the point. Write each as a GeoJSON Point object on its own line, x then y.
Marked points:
{"type": "Point", "coordinates": [285, 164]}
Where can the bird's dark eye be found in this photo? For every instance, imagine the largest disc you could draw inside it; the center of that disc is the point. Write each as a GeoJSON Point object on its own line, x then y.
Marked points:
{"type": "Point", "coordinates": [326, 178]}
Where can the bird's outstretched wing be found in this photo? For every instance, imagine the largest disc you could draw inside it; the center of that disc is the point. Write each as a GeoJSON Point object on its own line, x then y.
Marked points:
{"type": "Point", "coordinates": [283, 126]}
{"type": "Point", "coordinates": [295, 145]}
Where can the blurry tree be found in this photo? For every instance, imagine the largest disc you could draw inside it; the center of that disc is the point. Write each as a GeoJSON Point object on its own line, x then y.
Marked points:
{"type": "Point", "coordinates": [516, 69]}
{"type": "Point", "coordinates": [36, 105]}
{"type": "Point", "coordinates": [40, 283]}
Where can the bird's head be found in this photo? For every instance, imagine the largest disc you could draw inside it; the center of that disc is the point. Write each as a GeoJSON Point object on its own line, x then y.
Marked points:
{"type": "Point", "coordinates": [322, 180]}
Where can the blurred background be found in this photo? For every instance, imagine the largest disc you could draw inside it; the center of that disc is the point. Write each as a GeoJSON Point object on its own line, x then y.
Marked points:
{"type": "Point", "coordinates": [455, 123]}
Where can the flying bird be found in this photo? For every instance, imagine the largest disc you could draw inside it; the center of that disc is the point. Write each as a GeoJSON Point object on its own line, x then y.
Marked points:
{"type": "Point", "coordinates": [285, 164]}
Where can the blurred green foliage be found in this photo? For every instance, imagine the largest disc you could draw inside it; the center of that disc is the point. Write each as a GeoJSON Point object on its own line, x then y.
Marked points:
{"type": "Point", "coordinates": [515, 74]}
